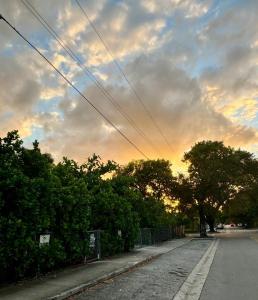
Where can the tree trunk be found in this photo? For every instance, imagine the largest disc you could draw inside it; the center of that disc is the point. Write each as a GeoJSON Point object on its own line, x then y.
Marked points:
{"type": "Point", "coordinates": [203, 233]}
{"type": "Point", "coordinates": [211, 224]}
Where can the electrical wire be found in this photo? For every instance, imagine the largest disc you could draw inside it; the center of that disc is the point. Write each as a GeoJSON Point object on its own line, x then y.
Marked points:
{"type": "Point", "coordinates": [147, 111]}
{"type": "Point", "coordinates": [75, 88]}
{"type": "Point", "coordinates": [86, 70]}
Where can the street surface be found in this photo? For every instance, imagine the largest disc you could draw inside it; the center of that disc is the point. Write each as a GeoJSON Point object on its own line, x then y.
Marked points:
{"type": "Point", "coordinates": [159, 279]}
{"type": "Point", "coordinates": [234, 271]}
{"type": "Point", "coordinates": [232, 275]}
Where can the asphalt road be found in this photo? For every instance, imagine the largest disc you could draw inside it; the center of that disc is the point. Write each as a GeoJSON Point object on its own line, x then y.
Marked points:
{"type": "Point", "coordinates": [231, 275]}
{"type": "Point", "coordinates": [159, 279]}
{"type": "Point", "coordinates": [234, 272]}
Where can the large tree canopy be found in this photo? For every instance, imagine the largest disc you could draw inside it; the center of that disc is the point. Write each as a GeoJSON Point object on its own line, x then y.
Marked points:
{"type": "Point", "coordinates": [216, 174]}
{"type": "Point", "coordinates": [243, 208]}
{"type": "Point", "coordinates": [154, 181]}
{"type": "Point", "coordinates": [151, 177]}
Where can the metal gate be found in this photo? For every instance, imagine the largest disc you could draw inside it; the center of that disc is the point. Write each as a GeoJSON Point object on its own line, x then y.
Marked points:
{"type": "Point", "coordinates": [94, 251]}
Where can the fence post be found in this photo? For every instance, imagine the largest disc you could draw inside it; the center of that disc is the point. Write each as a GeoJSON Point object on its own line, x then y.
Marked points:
{"type": "Point", "coordinates": [98, 244]}
{"type": "Point", "coordinates": [141, 236]}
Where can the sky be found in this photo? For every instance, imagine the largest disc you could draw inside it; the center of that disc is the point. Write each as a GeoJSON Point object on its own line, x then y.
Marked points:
{"type": "Point", "coordinates": [176, 72]}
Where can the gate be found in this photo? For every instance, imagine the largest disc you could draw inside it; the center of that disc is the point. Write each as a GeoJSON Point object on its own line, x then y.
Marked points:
{"type": "Point", "coordinates": [94, 251]}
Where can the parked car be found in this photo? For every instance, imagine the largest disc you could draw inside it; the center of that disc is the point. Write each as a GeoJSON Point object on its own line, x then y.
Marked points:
{"type": "Point", "coordinates": [220, 226]}
{"type": "Point", "coordinates": [231, 225]}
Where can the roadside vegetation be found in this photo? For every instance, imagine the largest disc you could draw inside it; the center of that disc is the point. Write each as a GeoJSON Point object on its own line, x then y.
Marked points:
{"type": "Point", "coordinates": [221, 185]}
{"type": "Point", "coordinates": [68, 199]}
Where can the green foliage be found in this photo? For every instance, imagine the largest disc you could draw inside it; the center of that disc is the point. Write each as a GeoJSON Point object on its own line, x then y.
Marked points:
{"type": "Point", "coordinates": [217, 175]}
{"type": "Point", "coordinates": [65, 200]}
{"type": "Point", "coordinates": [36, 199]}
{"type": "Point", "coordinates": [243, 208]}
{"type": "Point", "coordinates": [153, 184]}
{"type": "Point", "coordinates": [151, 177]}
{"type": "Point", "coordinates": [111, 207]}
{"type": "Point", "coordinates": [72, 211]}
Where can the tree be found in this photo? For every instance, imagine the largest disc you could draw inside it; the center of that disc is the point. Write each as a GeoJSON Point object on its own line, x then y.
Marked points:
{"type": "Point", "coordinates": [37, 197]}
{"type": "Point", "coordinates": [71, 203]}
{"type": "Point", "coordinates": [154, 181]}
{"type": "Point", "coordinates": [186, 203]}
{"type": "Point", "coordinates": [243, 208]}
{"type": "Point", "coordinates": [214, 174]}
{"type": "Point", "coordinates": [25, 189]}
{"type": "Point", "coordinates": [152, 177]}
{"type": "Point", "coordinates": [111, 208]}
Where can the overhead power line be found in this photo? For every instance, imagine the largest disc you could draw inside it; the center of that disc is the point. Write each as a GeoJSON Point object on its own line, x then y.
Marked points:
{"type": "Point", "coordinates": [75, 88]}
{"type": "Point", "coordinates": [86, 70]}
{"type": "Point", "coordinates": [147, 111]}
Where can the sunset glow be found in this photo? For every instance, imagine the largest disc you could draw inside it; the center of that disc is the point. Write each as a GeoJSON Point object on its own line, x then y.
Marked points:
{"type": "Point", "coordinates": [181, 71]}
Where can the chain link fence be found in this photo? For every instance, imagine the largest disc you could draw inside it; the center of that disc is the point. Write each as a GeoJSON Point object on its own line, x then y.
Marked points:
{"type": "Point", "coordinates": [152, 236]}
{"type": "Point", "coordinates": [146, 237]}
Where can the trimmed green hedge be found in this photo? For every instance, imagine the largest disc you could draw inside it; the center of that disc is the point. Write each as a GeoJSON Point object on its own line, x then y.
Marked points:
{"type": "Point", "coordinates": [65, 200]}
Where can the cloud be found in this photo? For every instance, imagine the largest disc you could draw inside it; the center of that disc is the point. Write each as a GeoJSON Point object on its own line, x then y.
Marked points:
{"type": "Point", "coordinates": [19, 88]}
{"type": "Point", "coordinates": [232, 88]}
{"type": "Point", "coordinates": [190, 8]}
{"type": "Point", "coordinates": [175, 101]}
{"type": "Point", "coordinates": [195, 71]}
{"type": "Point", "coordinates": [230, 85]}
{"type": "Point", "coordinates": [241, 109]}
{"type": "Point", "coordinates": [49, 93]}
{"type": "Point", "coordinates": [24, 80]}
{"type": "Point", "coordinates": [232, 24]}
{"type": "Point", "coordinates": [126, 28]}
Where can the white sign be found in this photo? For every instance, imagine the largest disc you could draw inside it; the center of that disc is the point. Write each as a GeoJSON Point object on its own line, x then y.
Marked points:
{"type": "Point", "coordinates": [119, 232]}
{"type": "Point", "coordinates": [44, 239]}
{"type": "Point", "coordinates": [92, 240]}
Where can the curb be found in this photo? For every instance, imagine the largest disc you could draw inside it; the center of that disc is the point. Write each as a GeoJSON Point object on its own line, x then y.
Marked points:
{"type": "Point", "coordinates": [80, 288]}
{"type": "Point", "coordinates": [84, 286]}
{"type": "Point", "coordinates": [192, 287]}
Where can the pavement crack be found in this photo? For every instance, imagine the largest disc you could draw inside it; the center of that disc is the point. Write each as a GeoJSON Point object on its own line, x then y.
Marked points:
{"type": "Point", "coordinates": [178, 273]}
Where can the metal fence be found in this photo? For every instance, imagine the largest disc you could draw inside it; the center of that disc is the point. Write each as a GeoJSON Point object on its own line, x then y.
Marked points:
{"type": "Point", "coordinates": [146, 237]}
{"type": "Point", "coordinates": [151, 236]}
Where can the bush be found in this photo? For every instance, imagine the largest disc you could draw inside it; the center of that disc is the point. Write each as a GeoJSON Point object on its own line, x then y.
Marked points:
{"type": "Point", "coordinates": [112, 212]}
{"type": "Point", "coordinates": [38, 197]}
{"type": "Point", "coordinates": [65, 200]}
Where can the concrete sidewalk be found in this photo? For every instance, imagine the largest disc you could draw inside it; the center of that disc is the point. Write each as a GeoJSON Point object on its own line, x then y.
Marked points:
{"type": "Point", "coordinates": [72, 280]}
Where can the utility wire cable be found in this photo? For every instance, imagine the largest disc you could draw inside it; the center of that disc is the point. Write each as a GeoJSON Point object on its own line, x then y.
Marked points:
{"type": "Point", "coordinates": [86, 70]}
{"type": "Point", "coordinates": [75, 88]}
{"type": "Point", "coordinates": [147, 111]}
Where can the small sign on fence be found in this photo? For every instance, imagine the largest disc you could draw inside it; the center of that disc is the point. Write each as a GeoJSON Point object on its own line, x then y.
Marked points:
{"type": "Point", "coordinates": [44, 239]}
{"type": "Point", "coordinates": [92, 240]}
